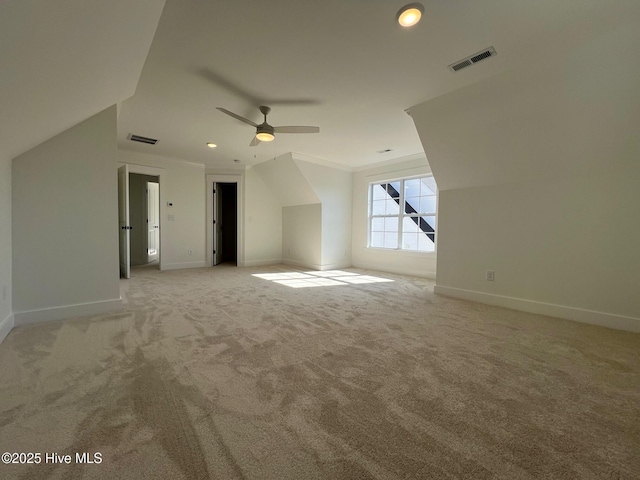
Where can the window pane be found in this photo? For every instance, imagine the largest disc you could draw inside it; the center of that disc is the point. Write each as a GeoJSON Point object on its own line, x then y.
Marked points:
{"type": "Point", "coordinates": [391, 240]}
{"type": "Point", "coordinates": [391, 224]}
{"type": "Point", "coordinates": [392, 207]}
{"type": "Point", "coordinates": [377, 208]}
{"type": "Point", "coordinates": [410, 225]}
{"type": "Point", "coordinates": [377, 224]}
{"type": "Point", "coordinates": [416, 214]}
{"type": "Point", "coordinates": [412, 188]}
{"type": "Point", "coordinates": [394, 189]}
{"type": "Point", "coordinates": [425, 244]}
{"type": "Point", "coordinates": [410, 241]}
{"type": "Point", "coordinates": [379, 191]}
{"type": "Point", "coordinates": [428, 186]}
{"type": "Point", "coordinates": [427, 204]}
{"type": "Point", "coordinates": [377, 239]}
{"type": "Point", "coordinates": [431, 221]}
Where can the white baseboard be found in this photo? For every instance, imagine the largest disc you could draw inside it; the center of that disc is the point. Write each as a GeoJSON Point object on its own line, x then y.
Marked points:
{"type": "Point", "coordinates": [296, 263]}
{"type": "Point", "coordinates": [5, 326]}
{"type": "Point", "coordinates": [610, 320]}
{"type": "Point", "coordinates": [400, 271]}
{"type": "Point", "coordinates": [260, 263]}
{"type": "Point", "coordinates": [180, 266]}
{"type": "Point", "coordinates": [68, 311]}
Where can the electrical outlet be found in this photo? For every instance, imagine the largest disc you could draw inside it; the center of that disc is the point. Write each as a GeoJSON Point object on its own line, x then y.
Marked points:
{"type": "Point", "coordinates": [490, 275]}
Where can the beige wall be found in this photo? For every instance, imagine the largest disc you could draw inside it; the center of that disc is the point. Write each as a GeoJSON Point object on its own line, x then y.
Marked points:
{"type": "Point", "coordinates": [64, 213]}
{"type": "Point", "coordinates": [183, 184]}
{"type": "Point", "coordinates": [262, 222]}
{"type": "Point", "coordinates": [6, 319]}
{"type": "Point", "coordinates": [302, 235]}
{"type": "Point", "coordinates": [538, 170]}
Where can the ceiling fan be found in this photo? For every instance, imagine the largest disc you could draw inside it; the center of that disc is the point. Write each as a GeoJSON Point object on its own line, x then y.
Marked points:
{"type": "Point", "coordinates": [264, 131]}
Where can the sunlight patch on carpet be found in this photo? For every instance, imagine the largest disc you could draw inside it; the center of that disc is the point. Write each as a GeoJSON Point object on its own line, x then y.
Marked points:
{"type": "Point", "coordinates": [325, 278]}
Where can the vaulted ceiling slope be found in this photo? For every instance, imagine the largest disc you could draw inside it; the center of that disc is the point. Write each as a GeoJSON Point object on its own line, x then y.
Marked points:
{"type": "Point", "coordinates": [64, 61]}
{"type": "Point", "coordinates": [345, 66]}
{"type": "Point", "coordinates": [573, 114]}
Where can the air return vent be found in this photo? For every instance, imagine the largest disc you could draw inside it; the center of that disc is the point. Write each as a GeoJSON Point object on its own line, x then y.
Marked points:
{"type": "Point", "coordinates": [138, 138]}
{"type": "Point", "coordinates": [473, 59]}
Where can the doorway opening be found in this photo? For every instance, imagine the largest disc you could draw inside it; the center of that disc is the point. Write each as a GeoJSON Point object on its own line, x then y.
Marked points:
{"type": "Point", "coordinates": [139, 213]}
{"type": "Point", "coordinates": [225, 223]}
{"type": "Point", "coordinates": [144, 218]}
{"type": "Point", "coordinates": [224, 220]}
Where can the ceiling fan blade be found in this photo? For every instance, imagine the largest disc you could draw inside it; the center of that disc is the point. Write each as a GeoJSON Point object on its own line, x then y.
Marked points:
{"type": "Point", "coordinates": [235, 115]}
{"type": "Point", "coordinates": [254, 142]}
{"type": "Point", "coordinates": [298, 129]}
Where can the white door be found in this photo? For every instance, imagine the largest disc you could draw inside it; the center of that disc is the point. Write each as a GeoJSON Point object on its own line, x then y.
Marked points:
{"type": "Point", "coordinates": [123, 220]}
{"type": "Point", "coordinates": [153, 221]}
{"type": "Point", "coordinates": [217, 225]}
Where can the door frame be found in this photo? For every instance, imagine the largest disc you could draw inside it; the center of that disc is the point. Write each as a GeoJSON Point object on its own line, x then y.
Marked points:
{"type": "Point", "coordinates": [160, 173]}
{"type": "Point", "coordinates": [226, 178]}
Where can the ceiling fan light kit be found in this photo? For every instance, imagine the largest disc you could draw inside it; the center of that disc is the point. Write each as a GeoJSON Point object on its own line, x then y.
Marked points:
{"type": "Point", "coordinates": [410, 14]}
{"type": "Point", "coordinates": [265, 136]}
{"type": "Point", "coordinates": [264, 131]}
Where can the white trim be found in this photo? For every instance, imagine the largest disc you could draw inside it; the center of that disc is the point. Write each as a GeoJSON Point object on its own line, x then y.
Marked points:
{"type": "Point", "coordinates": [417, 271]}
{"type": "Point", "coordinates": [319, 161]}
{"type": "Point", "coordinates": [610, 320]}
{"type": "Point", "coordinates": [315, 266]}
{"type": "Point", "coordinates": [154, 155]}
{"type": "Point", "coordinates": [67, 311]}
{"type": "Point", "coordinates": [6, 326]}
{"type": "Point", "coordinates": [260, 263]}
{"type": "Point", "coordinates": [238, 179]}
{"type": "Point", "coordinates": [161, 174]}
{"type": "Point", "coordinates": [393, 161]}
{"type": "Point", "coordinates": [180, 266]}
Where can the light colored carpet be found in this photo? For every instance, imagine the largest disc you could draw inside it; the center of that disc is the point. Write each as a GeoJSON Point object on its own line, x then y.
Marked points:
{"type": "Point", "coordinates": [216, 373]}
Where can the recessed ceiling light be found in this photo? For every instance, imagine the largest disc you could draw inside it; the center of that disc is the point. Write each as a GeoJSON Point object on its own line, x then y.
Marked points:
{"type": "Point", "coordinates": [211, 145]}
{"type": "Point", "coordinates": [410, 14]}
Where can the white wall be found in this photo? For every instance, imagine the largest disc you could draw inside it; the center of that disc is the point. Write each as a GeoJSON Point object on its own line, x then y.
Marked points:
{"type": "Point", "coordinates": [302, 236]}
{"type": "Point", "coordinates": [64, 224]}
{"type": "Point", "coordinates": [183, 184]}
{"type": "Point", "coordinates": [285, 181]}
{"type": "Point", "coordinates": [6, 318]}
{"type": "Point", "coordinates": [262, 222]}
{"type": "Point", "coordinates": [538, 171]}
{"type": "Point", "coordinates": [334, 187]}
{"type": "Point", "coordinates": [395, 261]}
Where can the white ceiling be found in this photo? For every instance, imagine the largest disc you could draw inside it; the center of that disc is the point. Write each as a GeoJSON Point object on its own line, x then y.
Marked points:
{"type": "Point", "coordinates": [343, 65]}
{"type": "Point", "coordinates": [62, 62]}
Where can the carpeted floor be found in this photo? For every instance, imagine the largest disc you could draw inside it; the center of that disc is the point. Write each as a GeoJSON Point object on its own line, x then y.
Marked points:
{"type": "Point", "coordinates": [217, 373]}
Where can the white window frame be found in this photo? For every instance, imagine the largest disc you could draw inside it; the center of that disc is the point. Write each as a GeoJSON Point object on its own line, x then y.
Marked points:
{"type": "Point", "coordinates": [401, 215]}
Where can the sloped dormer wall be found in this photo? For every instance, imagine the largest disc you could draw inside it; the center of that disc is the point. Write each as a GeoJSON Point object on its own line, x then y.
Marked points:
{"type": "Point", "coordinates": [538, 176]}
{"type": "Point", "coordinates": [316, 211]}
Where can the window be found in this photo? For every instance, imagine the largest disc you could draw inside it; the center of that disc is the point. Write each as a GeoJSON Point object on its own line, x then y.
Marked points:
{"type": "Point", "coordinates": [412, 227]}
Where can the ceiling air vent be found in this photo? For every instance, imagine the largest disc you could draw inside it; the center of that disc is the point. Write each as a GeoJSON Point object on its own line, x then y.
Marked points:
{"type": "Point", "coordinates": [138, 138]}
{"type": "Point", "coordinates": [473, 59]}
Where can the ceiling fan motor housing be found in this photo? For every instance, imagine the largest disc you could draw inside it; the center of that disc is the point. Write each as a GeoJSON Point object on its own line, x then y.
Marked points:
{"type": "Point", "coordinates": [265, 128]}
